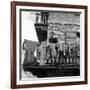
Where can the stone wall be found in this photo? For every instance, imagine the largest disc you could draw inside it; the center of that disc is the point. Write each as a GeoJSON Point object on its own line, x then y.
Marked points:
{"type": "Point", "coordinates": [64, 17]}
{"type": "Point", "coordinates": [64, 24]}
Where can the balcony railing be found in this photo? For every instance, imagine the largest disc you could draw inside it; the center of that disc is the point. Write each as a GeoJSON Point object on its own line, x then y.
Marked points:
{"type": "Point", "coordinates": [41, 18]}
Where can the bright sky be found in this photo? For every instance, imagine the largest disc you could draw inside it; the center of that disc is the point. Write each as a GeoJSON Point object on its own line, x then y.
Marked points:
{"type": "Point", "coordinates": [28, 29]}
